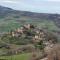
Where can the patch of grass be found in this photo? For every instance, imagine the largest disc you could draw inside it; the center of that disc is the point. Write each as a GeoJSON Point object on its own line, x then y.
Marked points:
{"type": "Point", "coordinates": [24, 56]}
{"type": "Point", "coordinates": [13, 23]}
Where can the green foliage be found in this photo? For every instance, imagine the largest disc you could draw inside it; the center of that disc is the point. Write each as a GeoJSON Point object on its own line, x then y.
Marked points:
{"type": "Point", "coordinates": [16, 40]}
{"type": "Point", "coordinates": [24, 56]}
{"type": "Point", "coordinates": [40, 45]}
{"type": "Point", "coordinates": [11, 23]}
{"type": "Point", "coordinates": [16, 16]}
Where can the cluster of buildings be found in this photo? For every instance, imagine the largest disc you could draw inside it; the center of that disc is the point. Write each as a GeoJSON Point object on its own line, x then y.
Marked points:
{"type": "Point", "coordinates": [22, 30]}
{"type": "Point", "coordinates": [39, 33]}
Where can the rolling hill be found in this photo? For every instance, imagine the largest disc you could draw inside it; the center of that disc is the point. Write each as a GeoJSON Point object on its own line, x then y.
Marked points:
{"type": "Point", "coordinates": [11, 19]}
{"type": "Point", "coordinates": [5, 11]}
{"type": "Point", "coordinates": [19, 43]}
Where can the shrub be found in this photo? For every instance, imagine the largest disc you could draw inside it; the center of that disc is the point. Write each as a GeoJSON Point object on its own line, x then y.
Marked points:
{"type": "Point", "coordinates": [54, 54]}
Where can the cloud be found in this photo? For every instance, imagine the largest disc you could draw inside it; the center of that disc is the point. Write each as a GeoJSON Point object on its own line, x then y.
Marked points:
{"type": "Point", "coordinates": [54, 0]}
{"type": "Point", "coordinates": [9, 1]}
{"type": "Point", "coordinates": [33, 5]}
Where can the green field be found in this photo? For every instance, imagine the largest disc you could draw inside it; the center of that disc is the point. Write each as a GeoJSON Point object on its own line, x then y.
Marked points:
{"type": "Point", "coordinates": [7, 25]}
{"type": "Point", "coordinates": [12, 24]}
{"type": "Point", "coordinates": [24, 56]}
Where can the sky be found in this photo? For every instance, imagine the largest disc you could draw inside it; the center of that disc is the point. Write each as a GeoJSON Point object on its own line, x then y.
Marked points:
{"type": "Point", "coordinates": [40, 6]}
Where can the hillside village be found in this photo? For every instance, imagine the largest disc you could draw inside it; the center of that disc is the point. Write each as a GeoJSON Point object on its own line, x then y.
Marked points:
{"type": "Point", "coordinates": [31, 30]}
{"type": "Point", "coordinates": [28, 35]}
{"type": "Point", "coordinates": [30, 38]}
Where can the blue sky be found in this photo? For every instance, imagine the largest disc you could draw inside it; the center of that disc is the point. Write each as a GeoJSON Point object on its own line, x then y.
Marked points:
{"type": "Point", "coordinates": [41, 6]}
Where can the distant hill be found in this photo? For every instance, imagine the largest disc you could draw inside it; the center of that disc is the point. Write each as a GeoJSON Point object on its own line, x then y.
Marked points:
{"type": "Point", "coordinates": [11, 19]}
{"type": "Point", "coordinates": [5, 11]}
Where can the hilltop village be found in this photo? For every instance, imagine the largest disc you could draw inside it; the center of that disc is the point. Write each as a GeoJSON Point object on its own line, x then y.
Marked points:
{"type": "Point", "coordinates": [37, 34]}
{"type": "Point", "coordinates": [30, 38]}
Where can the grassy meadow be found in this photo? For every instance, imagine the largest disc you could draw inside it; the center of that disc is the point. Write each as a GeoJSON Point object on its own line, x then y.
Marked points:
{"type": "Point", "coordinates": [24, 56]}
{"type": "Point", "coordinates": [7, 24]}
